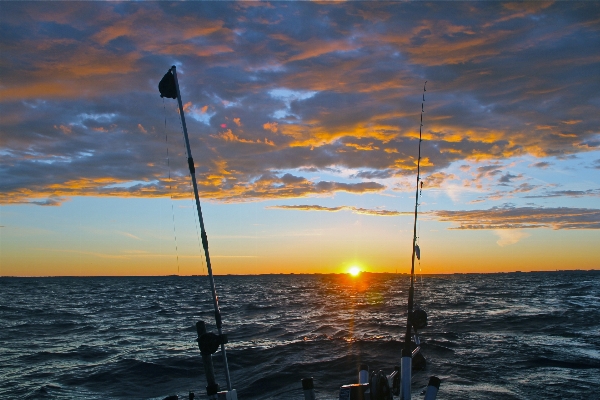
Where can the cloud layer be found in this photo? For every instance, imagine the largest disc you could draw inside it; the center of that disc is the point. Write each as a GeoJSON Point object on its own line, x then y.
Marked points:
{"type": "Point", "coordinates": [355, 210]}
{"type": "Point", "coordinates": [496, 218]}
{"type": "Point", "coordinates": [279, 94]}
{"type": "Point", "coordinates": [523, 217]}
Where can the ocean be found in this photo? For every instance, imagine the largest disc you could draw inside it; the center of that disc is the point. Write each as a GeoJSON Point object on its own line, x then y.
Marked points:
{"type": "Point", "coordinates": [490, 336]}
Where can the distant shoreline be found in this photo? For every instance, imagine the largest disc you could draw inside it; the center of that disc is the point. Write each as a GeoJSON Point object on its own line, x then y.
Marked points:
{"type": "Point", "coordinates": [299, 274]}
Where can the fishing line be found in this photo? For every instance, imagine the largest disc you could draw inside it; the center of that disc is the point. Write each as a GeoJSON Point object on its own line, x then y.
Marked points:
{"type": "Point", "coordinates": [170, 187]}
{"type": "Point", "coordinates": [421, 182]}
{"type": "Point", "coordinates": [419, 236]}
{"type": "Point", "coordinates": [202, 260]}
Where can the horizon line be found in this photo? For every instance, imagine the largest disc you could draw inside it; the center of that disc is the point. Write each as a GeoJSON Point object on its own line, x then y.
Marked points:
{"type": "Point", "coordinates": [302, 273]}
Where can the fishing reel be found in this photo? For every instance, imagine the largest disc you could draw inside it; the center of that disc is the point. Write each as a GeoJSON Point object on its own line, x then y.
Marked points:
{"type": "Point", "coordinates": [209, 342]}
{"type": "Point", "coordinates": [373, 386]}
{"type": "Point", "coordinates": [384, 387]}
{"type": "Point", "coordinates": [418, 319]}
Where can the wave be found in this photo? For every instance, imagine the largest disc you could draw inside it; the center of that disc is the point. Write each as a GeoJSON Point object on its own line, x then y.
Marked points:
{"type": "Point", "coordinates": [489, 336]}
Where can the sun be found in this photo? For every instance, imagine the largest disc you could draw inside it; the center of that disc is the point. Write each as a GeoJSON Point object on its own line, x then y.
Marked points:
{"type": "Point", "coordinates": [354, 271]}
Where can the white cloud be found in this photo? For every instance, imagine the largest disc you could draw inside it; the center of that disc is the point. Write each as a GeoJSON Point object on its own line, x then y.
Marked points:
{"type": "Point", "coordinates": [509, 236]}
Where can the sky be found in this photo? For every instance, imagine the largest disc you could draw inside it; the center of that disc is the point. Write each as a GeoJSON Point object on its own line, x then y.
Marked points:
{"type": "Point", "coordinates": [304, 122]}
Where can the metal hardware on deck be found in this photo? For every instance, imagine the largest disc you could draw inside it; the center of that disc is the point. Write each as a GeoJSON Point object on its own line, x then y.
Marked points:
{"type": "Point", "coordinates": [396, 381]}
{"type": "Point", "coordinates": [379, 386]}
{"type": "Point", "coordinates": [432, 388]}
{"type": "Point", "coordinates": [209, 342]}
{"type": "Point", "coordinates": [393, 377]}
{"type": "Point", "coordinates": [418, 361]}
{"type": "Point", "coordinates": [212, 387]}
{"type": "Point", "coordinates": [227, 395]}
{"type": "Point", "coordinates": [418, 319]}
{"type": "Point", "coordinates": [415, 352]}
{"type": "Point", "coordinates": [355, 391]}
{"type": "Point", "coordinates": [363, 374]}
{"type": "Point", "coordinates": [308, 388]}
{"type": "Point", "coordinates": [406, 374]}
{"type": "Point", "coordinates": [417, 340]}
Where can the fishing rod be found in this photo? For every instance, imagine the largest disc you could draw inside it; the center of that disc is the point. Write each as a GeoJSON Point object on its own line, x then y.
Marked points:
{"type": "Point", "coordinates": [416, 319]}
{"type": "Point", "coordinates": [376, 385]}
{"type": "Point", "coordinates": [415, 247]}
{"type": "Point", "coordinates": [208, 342]}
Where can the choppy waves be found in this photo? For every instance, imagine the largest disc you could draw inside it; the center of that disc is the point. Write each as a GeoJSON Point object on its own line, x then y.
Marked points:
{"type": "Point", "coordinates": [501, 336]}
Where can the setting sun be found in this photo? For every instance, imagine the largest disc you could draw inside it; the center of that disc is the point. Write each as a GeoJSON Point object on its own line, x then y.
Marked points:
{"type": "Point", "coordinates": [354, 271]}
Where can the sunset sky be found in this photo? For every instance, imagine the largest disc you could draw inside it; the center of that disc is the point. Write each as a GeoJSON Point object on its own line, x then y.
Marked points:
{"type": "Point", "coordinates": [303, 121]}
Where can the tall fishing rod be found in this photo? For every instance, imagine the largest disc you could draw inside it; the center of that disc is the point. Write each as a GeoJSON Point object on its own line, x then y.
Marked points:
{"type": "Point", "coordinates": [406, 364]}
{"type": "Point", "coordinates": [169, 87]}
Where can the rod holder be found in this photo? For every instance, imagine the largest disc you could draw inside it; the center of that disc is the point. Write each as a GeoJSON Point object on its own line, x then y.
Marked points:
{"type": "Point", "coordinates": [308, 388]}
{"type": "Point", "coordinates": [432, 388]}
{"type": "Point", "coordinates": [363, 373]}
{"type": "Point", "coordinates": [212, 387]}
{"type": "Point", "coordinates": [406, 375]}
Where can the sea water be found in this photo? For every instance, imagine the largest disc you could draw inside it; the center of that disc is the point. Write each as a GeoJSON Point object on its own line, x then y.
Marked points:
{"type": "Point", "coordinates": [490, 336]}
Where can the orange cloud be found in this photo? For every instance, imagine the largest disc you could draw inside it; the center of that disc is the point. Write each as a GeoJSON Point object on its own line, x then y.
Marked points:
{"type": "Point", "coordinates": [229, 136]}
{"type": "Point", "coordinates": [67, 130]}
{"type": "Point", "coordinates": [287, 186]}
{"type": "Point", "coordinates": [271, 126]}
{"type": "Point", "coordinates": [69, 75]}
{"type": "Point", "coordinates": [368, 147]}
{"type": "Point", "coordinates": [312, 134]}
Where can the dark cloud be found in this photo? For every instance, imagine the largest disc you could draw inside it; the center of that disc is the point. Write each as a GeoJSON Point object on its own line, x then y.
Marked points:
{"type": "Point", "coordinates": [383, 174]}
{"type": "Point", "coordinates": [507, 178]}
{"type": "Point", "coordinates": [523, 217]}
{"type": "Point", "coordinates": [50, 201]}
{"type": "Point", "coordinates": [541, 164]}
{"type": "Point", "coordinates": [489, 172]}
{"type": "Point", "coordinates": [355, 210]}
{"type": "Point", "coordinates": [524, 187]}
{"type": "Point", "coordinates": [591, 143]}
{"type": "Point", "coordinates": [505, 217]}
{"type": "Point", "coordinates": [488, 169]}
{"type": "Point", "coordinates": [566, 193]}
